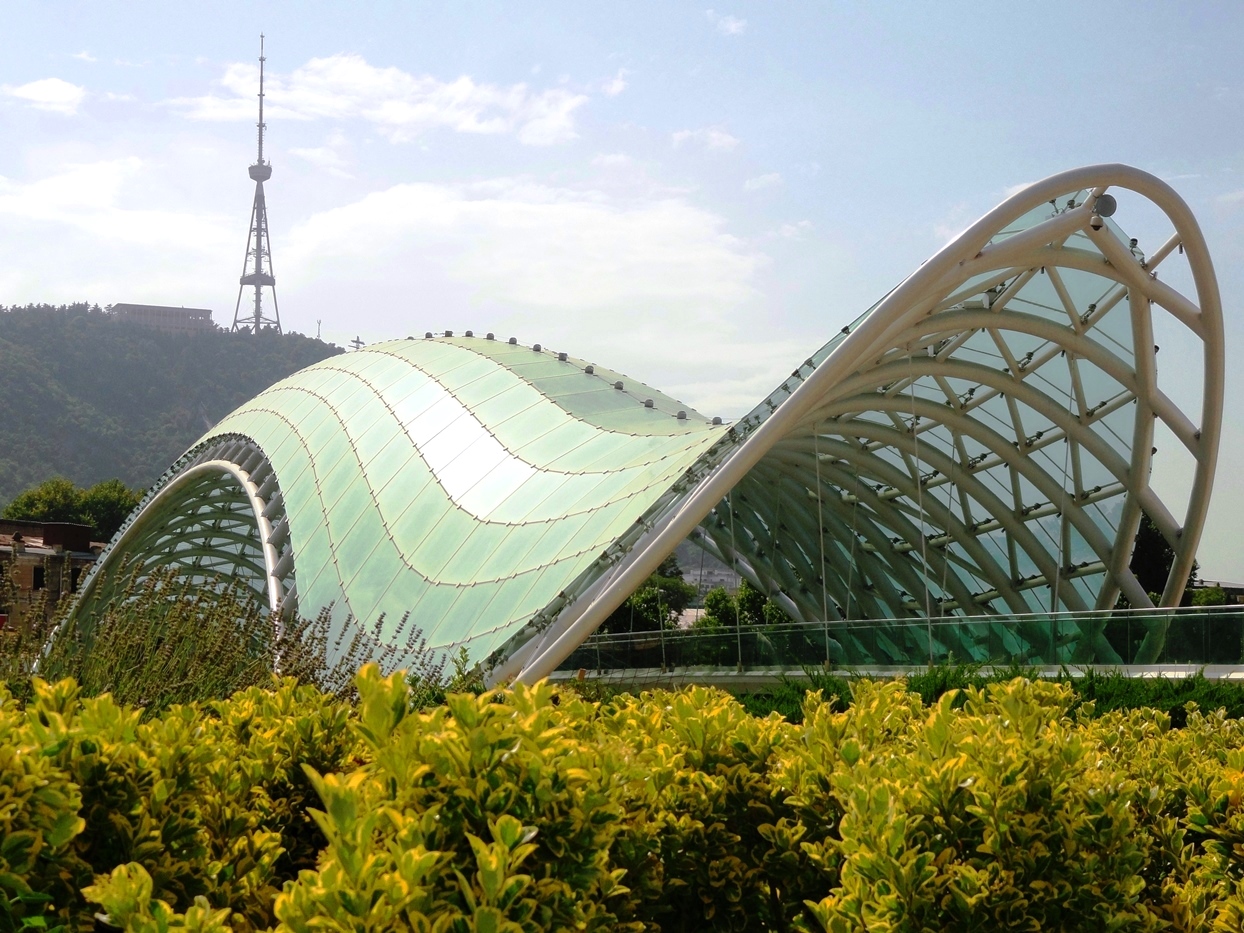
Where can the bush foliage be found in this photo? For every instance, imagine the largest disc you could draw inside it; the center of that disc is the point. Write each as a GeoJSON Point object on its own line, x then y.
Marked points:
{"type": "Point", "coordinates": [1006, 806]}
{"type": "Point", "coordinates": [1106, 690]}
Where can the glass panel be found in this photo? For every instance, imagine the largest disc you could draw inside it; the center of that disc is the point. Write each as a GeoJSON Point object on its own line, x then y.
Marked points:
{"type": "Point", "coordinates": [472, 368]}
{"type": "Point", "coordinates": [384, 434]}
{"type": "Point", "coordinates": [422, 394]}
{"type": "Point", "coordinates": [469, 614]}
{"type": "Point", "coordinates": [344, 476]}
{"type": "Point", "coordinates": [497, 490]}
{"type": "Point", "coordinates": [493, 384]}
{"type": "Point", "coordinates": [433, 608]}
{"type": "Point", "coordinates": [367, 574]}
{"type": "Point", "coordinates": [528, 425]}
{"type": "Point", "coordinates": [442, 543]}
{"type": "Point", "coordinates": [343, 513]}
{"type": "Point", "coordinates": [1187, 636]}
{"type": "Point", "coordinates": [441, 448]}
{"type": "Point", "coordinates": [402, 596]}
{"type": "Point", "coordinates": [497, 411]}
{"type": "Point", "coordinates": [511, 597]}
{"type": "Point", "coordinates": [432, 419]}
{"type": "Point", "coordinates": [396, 473]}
{"type": "Point", "coordinates": [420, 518]}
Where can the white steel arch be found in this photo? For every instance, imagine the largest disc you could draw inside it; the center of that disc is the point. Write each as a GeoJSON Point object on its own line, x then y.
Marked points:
{"type": "Point", "coordinates": [981, 439]}
{"type": "Point", "coordinates": [215, 515]}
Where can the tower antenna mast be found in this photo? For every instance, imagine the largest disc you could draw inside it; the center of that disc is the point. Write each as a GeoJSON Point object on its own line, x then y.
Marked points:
{"type": "Point", "coordinates": [257, 264]}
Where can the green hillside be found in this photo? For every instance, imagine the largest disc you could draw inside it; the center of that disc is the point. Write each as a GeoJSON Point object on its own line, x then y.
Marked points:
{"type": "Point", "coordinates": [88, 398]}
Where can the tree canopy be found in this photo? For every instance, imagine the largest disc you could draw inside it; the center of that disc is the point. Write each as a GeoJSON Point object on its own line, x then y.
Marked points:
{"type": "Point", "coordinates": [748, 606]}
{"type": "Point", "coordinates": [104, 506]}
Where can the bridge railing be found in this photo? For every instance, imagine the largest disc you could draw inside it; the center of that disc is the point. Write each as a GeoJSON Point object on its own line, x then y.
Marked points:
{"type": "Point", "coordinates": [1196, 636]}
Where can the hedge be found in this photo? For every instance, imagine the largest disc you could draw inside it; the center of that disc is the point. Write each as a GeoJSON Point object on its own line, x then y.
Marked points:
{"type": "Point", "coordinates": [284, 808]}
{"type": "Point", "coordinates": [1108, 690]}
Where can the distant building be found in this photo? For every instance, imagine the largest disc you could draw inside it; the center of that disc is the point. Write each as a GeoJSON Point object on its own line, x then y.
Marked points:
{"type": "Point", "coordinates": [166, 319]}
{"type": "Point", "coordinates": [704, 571]}
{"type": "Point", "coordinates": [40, 563]}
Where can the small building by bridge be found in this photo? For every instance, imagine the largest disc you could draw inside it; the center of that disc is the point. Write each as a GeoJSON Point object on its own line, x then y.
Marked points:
{"type": "Point", "coordinates": [40, 562]}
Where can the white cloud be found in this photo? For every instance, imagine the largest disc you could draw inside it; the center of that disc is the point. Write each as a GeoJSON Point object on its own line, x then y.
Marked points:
{"type": "Point", "coordinates": [50, 94]}
{"type": "Point", "coordinates": [726, 25]}
{"type": "Point", "coordinates": [709, 137]}
{"type": "Point", "coordinates": [740, 371]}
{"type": "Point", "coordinates": [542, 247]}
{"type": "Point", "coordinates": [400, 104]}
{"type": "Point", "coordinates": [793, 231]}
{"type": "Point", "coordinates": [615, 85]}
{"type": "Point", "coordinates": [547, 118]}
{"type": "Point", "coordinates": [760, 182]}
{"type": "Point", "coordinates": [84, 57]}
{"type": "Point", "coordinates": [632, 283]}
{"type": "Point", "coordinates": [1012, 190]}
{"type": "Point", "coordinates": [612, 160]}
{"type": "Point", "coordinates": [956, 221]}
{"type": "Point", "coordinates": [329, 156]}
{"type": "Point", "coordinates": [110, 245]}
{"type": "Point", "coordinates": [332, 155]}
{"type": "Point", "coordinates": [91, 197]}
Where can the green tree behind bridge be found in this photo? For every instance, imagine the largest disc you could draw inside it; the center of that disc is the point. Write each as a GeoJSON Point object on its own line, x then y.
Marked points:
{"type": "Point", "coordinates": [103, 506]}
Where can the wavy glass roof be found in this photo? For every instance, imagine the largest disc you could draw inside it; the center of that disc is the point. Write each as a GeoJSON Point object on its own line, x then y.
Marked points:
{"type": "Point", "coordinates": [467, 481]}
{"type": "Point", "coordinates": [981, 441]}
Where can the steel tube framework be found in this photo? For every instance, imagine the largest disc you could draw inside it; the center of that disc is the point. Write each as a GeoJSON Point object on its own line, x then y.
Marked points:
{"type": "Point", "coordinates": [1044, 272]}
{"type": "Point", "coordinates": [216, 515]}
{"type": "Point", "coordinates": [980, 442]}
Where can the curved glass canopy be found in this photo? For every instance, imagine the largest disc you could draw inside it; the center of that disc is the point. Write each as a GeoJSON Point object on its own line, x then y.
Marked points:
{"type": "Point", "coordinates": [979, 442]}
{"type": "Point", "coordinates": [467, 481]}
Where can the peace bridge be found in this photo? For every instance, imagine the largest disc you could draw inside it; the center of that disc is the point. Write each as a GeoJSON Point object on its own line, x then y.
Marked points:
{"type": "Point", "coordinates": [959, 473]}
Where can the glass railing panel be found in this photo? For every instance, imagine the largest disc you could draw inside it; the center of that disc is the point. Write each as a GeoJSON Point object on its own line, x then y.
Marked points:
{"type": "Point", "coordinates": [1197, 636]}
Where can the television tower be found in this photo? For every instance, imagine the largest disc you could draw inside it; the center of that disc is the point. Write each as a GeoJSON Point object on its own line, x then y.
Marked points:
{"type": "Point", "coordinates": [257, 264]}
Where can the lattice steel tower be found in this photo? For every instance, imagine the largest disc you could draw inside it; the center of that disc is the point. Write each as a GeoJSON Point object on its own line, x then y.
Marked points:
{"type": "Point", "coordinates": [257, 265]}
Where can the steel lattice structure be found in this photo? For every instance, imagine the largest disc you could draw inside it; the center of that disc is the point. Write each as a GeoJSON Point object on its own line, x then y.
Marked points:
{"type": "Point", "coordinates": [257, 263]}
{"type": "Point", "coordinates": [980, 442]}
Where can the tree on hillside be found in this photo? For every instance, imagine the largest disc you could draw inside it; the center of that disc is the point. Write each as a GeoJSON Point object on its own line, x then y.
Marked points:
{"type": "Point", "coordinates": [104, 506]}
{"type": "Point", "coordinates": [88, 397]}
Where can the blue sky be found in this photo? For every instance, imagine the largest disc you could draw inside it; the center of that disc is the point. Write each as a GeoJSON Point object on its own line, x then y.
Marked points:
{"type": "Point", "coordinates": [697, 196]}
